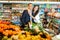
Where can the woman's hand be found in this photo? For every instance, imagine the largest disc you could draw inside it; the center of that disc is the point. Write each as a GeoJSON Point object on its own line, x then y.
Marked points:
{"type": "Point", "coordinates": [33, 17]}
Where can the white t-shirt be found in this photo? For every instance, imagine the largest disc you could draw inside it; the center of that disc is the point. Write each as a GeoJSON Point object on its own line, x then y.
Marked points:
{"type": "Point", "coordinates": [37, 18]}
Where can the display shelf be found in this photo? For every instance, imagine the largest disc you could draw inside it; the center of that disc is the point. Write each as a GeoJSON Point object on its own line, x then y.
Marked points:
{"type": "Point", "coordinates": [5, 11]}
{"type": "Point", "coordinates": [1, 7]}
{"type": "Point", "coordinates": [54, 24]}
{"type": "Point", "coordinates": [19, 7]}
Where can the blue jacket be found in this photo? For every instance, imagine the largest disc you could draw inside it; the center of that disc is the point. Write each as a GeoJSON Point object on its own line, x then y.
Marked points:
{"type": "Point", "coordinates": [25, 17]}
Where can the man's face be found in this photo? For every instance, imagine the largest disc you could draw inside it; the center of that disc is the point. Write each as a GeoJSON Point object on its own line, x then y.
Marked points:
{"type": "Point", "coordinates": [30, 6]}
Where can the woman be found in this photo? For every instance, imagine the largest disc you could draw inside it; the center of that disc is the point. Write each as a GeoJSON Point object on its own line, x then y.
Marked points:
{"type": "Point", "coordinates": [35, 14]}
{"type": "Point", "coordinates": [36, 20]}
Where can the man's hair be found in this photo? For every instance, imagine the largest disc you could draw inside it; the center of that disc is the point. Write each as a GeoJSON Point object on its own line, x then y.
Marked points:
{"type": "Point", "coordinates": [29, 4]}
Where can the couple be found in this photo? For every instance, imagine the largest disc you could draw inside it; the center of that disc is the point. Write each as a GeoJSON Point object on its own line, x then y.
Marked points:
{"type": "Point", "coordinates": [30, 15]}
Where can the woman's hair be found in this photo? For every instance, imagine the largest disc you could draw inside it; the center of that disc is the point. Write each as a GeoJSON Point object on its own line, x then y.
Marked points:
{"type": "Point", "coordinates": [37, 10]}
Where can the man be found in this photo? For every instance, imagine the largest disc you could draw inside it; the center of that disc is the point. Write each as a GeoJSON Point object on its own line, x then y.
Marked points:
{"type": "Point", "coordinates": [26, 15]}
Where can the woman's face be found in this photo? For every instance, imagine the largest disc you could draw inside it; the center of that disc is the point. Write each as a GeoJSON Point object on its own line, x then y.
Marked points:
{"type": "Point", "coordinates": [36, 8]}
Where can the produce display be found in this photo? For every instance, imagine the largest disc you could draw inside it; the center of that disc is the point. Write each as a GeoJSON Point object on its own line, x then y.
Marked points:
{"type": "Point", "coordinates": [28, 36]}
{"type": "Point", "coordinates": [13, 32]}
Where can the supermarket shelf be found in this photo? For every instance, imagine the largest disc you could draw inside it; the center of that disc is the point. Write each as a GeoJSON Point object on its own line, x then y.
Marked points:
{"type": "Point", "coordinates": [19, 8]}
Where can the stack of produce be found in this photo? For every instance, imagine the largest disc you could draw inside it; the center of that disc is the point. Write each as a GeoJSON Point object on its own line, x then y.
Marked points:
{"type": "Point", "coordinates": [8, 29]}
{"type": "Point", "coordinates": [28, 36]}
